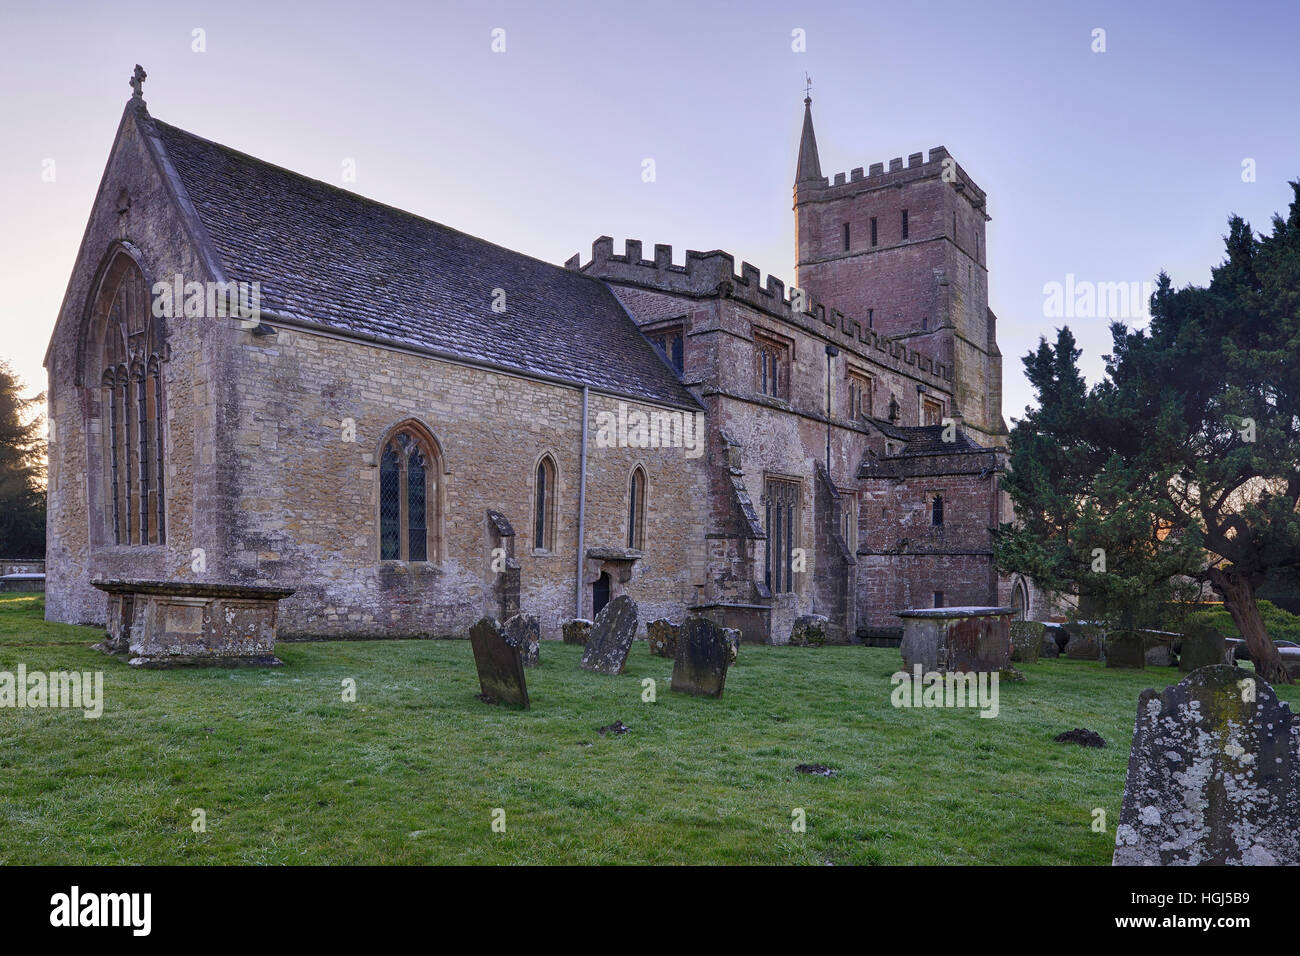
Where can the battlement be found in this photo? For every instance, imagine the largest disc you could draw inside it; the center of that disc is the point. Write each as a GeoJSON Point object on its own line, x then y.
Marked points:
{"type": "Point", "coordinates": [877, 176]}
{"type": "Point", "coordinates": [713, 274]}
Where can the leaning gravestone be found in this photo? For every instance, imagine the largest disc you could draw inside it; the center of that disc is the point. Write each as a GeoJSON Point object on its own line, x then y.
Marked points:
{"type": "Point", "coordinates": [1202, 646]}
{"type": "Point", "coordinates": [663, 635]}
{"type": "Point", "coordinates": [703, 655]}
{"type": "Point", "coordinates": [1126, 649]}
{"type": "Point", "coordinates": [577, 631]}
{"type": "Point", "coordinates": [1084, 642]}
{"type": "Point", "coordinates": [1027, 639]}
{"type": "Point", "coordinates": [524, 632]}
{"type": "Point", "coordinates": [809, 630]}
{"type": "Point", "coordinates": [500, 669]}
{"type": "Point", "coordinates": [1213, 776]}
{"type": "Point", "coordinates": [611, 637]}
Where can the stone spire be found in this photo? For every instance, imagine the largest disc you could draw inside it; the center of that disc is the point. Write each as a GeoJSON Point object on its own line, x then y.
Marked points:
{"type": "Point", "coordinates": [810, 167]}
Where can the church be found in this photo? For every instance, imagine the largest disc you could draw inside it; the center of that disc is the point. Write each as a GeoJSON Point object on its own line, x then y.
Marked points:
{"type": "Point", "coordinates": [411, 428]}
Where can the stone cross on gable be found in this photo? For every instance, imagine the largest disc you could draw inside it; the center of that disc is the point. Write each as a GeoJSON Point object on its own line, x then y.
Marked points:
{"type": "Point", "coordinates": [137, 82]}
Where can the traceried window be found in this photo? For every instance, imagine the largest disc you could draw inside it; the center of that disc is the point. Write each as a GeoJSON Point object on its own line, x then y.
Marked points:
{"type": "Point", "coordinates": [860, 394]}
{"type": "Point", "coordinates": [544, 505]}
{"type": "Point", "coordinates": [132, 424]}
{"type": "Point", "coordinates": [408, 497]}
{"type": "Point", "coordinates": [636, 510]}
{"type": "Point", "coordinates": [773, 371]}
{"type": "Point", "coordinates": [781, 521]}
{"type": "Point", "coordinates": [671, 343]}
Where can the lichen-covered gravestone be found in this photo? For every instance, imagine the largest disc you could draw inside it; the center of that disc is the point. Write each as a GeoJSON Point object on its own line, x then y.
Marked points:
{"type": "Point", "coordinates": [1213, 776]}
{"type": "Point", "coordinates": [1084, 642]}
{"type": "Point", "coordinates": [1027, 640]}
{"type": "Point", "coordinates": [611, 637]}
{"type": "Point", "coordinates": [809, 630]}
{"type": "Point", "coordinates": [703, 655]}
{"type": "Point", "coordinates": [577, 631]}
{"type": "Point", "coordinates": [733, 635]}
{"type": "Point", "coordinates": [663, 635]}
{"type": "Point", "coordinates": [1201, 647]}
{"type": "Point", "coordinates": [500, 669]}
{"type": "Point", "coordinates": [1125, 649]}
{"type": "Point", "coordinates": [524, 632]}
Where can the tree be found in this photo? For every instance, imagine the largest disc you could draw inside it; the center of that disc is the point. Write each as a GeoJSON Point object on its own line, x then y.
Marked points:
{"type": "Point", "coordinates": [1187, 454]}
{"type": "Point", "coordinates": [22, 471]}
{"type": "Point", "coordinates": [1077, 531]}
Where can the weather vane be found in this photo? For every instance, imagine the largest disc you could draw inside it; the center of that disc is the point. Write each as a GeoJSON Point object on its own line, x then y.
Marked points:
{"type": "Point", "coordinates": [137, 82]}
{"type": "Point", "coordinates": [807, 90]}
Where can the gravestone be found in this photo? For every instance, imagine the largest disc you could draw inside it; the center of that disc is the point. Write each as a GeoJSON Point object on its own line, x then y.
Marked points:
{"type": "Point", "coordinates": [663, 635]}
{"type": "Point", "coordinates": [524, 632]}
{"type": "Point", "coordinates": [1083, 642]}
{"type": "Point", "coordinates": [703, 656]}
{"type": "Point", "coordinates": [1126, 649]}
{"type": "Point", "coordinates": [1027, 639]}
{"type": "Point", "coordinates": [733, 636]}
{"type": "Point", "coordinates": [1213, 776]}
{"type": "Point", "coordinates": [809, 630]}
{"type": "Point", "coordinates": [500, 669]}
{"type": "Point", "coordinates": [577, 631]}
{"type": "Point", "coordinates": [1159, 648]}
{"type": "Point", "coordinates": [611, 637]}
{"type": "Point", "coordinates": [1202, 646]}
{"type": "Point", "coordinates": [1051, 648]}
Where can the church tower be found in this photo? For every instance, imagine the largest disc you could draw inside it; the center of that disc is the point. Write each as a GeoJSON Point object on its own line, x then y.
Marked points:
{"type": "Point", "coordinates": [902, 250]}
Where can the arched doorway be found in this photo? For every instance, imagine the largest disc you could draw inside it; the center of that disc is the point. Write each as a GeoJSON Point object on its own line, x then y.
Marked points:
{"type": "Point", "coordinates": [1020, 599]}
{"type": "Point", "coordinates": [599, 593]}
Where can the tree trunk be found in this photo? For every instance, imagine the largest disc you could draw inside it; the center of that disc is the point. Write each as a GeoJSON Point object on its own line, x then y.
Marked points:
{"type": "Point", "coordinates": [1239, 601]}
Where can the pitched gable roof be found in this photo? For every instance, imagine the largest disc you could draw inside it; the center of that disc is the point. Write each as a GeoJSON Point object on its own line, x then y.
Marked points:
{"type": "Point", "coordinates": [328, 257]}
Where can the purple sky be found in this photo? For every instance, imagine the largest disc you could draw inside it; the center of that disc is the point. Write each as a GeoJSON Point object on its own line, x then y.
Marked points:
{"type": "Point", "coordinates": [1108, 166]}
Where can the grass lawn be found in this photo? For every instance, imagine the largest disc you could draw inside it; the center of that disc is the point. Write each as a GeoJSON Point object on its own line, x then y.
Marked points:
{"type": "Point", "coordinates": [287, 772]}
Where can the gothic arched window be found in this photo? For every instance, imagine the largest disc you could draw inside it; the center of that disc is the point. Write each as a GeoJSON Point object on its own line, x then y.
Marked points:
{"type": "Point", "coordinates": [131, 399]}
{"type": "Point", "coordinates": [408, 496]}
{"type": "Point", "coordinates": [636, 510]}
{"type": "Point", "coordinates": [544, 505]}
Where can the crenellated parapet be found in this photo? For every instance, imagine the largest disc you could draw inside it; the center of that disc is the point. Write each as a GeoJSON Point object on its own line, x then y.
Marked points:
{"type": "Point", "coordinates": [713, 274]}
{"type": "Point", "coordinates": [876, 176]}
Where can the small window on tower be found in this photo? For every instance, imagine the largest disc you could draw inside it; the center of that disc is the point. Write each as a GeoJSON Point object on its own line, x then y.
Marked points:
{"type": "Point", "coordinates": [846, 237]}
{"type": "Point", "coordinates": [904, 223]}
{"type": "Point", "coordinates": [871, 313]}
{"type": "Point", "coordinates": [938, 599]}
{"type": "Point", "coordinates": [936, 511]}
{"type": "Point", "coordinates": [931, 412]}
{"type": "Point", "coordinates": [873, 230]}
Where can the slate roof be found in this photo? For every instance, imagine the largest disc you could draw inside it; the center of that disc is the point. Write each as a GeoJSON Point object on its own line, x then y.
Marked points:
{"type": "Point", "coordinates": [923, 446]}
{"type": "Point", "coordinates": [327, 256]}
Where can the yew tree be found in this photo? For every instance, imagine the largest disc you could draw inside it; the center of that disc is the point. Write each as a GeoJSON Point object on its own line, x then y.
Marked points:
{"type": "Point", "coordinates": [1193, 434]}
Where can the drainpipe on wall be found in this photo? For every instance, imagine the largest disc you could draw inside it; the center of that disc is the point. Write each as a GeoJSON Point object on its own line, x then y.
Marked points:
{"type": "Point", "coordinates": [582, 505]}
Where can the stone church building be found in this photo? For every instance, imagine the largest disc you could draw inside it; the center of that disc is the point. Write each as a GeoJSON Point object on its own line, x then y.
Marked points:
{"type": "Point", "coordinates": [413, 427]}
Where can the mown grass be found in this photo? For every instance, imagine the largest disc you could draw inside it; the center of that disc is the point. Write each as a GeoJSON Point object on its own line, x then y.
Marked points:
{"type": "Point", "coordinates": [287, 772]}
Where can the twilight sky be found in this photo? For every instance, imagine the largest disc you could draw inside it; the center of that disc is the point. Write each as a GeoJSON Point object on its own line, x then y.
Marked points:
{"type": "Point", "coordinates": [1107, 166]}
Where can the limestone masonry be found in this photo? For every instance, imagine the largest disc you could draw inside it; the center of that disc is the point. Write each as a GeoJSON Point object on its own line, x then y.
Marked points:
{"type": "Point", "coordinates": [416, 429]}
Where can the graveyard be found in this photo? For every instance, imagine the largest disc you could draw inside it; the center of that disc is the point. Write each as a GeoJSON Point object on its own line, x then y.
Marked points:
{"type": "Point", "coordinates": [286, 771]}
